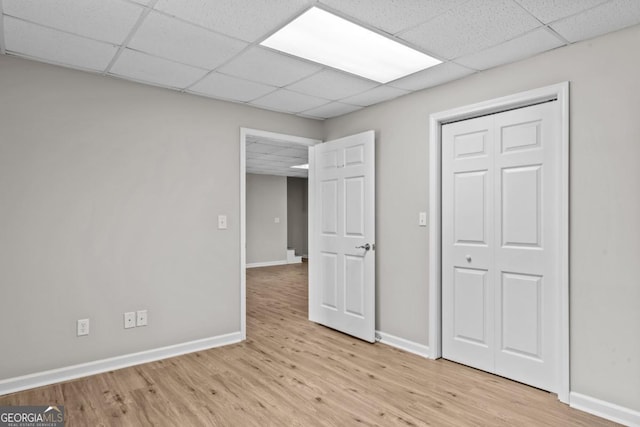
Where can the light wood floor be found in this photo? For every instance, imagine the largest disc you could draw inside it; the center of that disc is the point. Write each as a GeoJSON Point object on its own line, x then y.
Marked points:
{"type": "Point", "coordinates": [291, 372]}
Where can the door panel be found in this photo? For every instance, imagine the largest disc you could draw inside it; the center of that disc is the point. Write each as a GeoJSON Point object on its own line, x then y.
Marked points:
{"type": "Point", "coordinates": [467, 285]}
{"type": "Point", "coordinates": [354, 206]}
{"type": "Point", "coordinates": [329, 280]}
{"type": "Point", "coordinates": [354, 285]}
{"type": "Point", "coordinates": [341, 271]}
{"type": "Point", "coordinates": [521, 314]}
{"type": "Point", "coordinates": [500, 243]}
{"type": "Point", "coordinates": [470, 303]}
{"type": "Point", "coordinates": [470, 205]}
{"type": "Point", "coordinates": [329, 197]}
{"type": "Point", "coordinates": [522, 206]}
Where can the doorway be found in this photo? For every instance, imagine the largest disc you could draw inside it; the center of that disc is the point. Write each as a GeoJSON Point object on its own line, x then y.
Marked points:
{"type": "Point", "coordinates": [443, 246]}
{"type": "Point", "coordinates": [295, 143]}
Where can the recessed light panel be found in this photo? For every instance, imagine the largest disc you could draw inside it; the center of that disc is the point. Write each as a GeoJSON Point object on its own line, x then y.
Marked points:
{"type": "Point", "coordinates": [323, 37]}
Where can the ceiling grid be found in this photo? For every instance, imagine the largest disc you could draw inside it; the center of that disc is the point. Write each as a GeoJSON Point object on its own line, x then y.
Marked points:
{"type": "Point", "coordinates": [213, 49]}
{"type": "Point", "coordinates": [133, 31]}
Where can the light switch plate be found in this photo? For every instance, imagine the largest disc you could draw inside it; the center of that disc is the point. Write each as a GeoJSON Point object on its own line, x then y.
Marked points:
{"type": "Point", "coordinates": [276, 220]}
{"type": "Point", "coordinates": [222, 222]}
{"type": "Point", "coordinates": [422, 219]}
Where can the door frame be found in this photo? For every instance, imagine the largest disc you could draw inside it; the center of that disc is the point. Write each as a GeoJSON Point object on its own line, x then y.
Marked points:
{"type": "Point", "coordinates": [560, 93]}
{"type": "Point", "coordinates": [244, 133]}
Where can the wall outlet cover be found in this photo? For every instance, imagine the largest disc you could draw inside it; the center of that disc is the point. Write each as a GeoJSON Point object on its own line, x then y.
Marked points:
{"type": "Point", "coordinates": [141, 318]}
{"type": "Point", "coordinates": [130, 320]}
{"type": "Point", "coordinates": [82, 327]}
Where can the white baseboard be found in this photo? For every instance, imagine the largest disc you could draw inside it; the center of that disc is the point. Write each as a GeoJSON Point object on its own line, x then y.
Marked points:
{"type": "Point", "coordinates": [39, 379]}
{"type": "Point", "coordinates": [403, 344]}
{"type": "Point", "coordinates": [601, 408]}
{"type": "Point", "coordinates": [266, 263]}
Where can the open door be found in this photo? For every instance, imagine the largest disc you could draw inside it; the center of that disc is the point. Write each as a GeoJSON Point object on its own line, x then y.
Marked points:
{"type": "Point", "coordinates": [342, 235]}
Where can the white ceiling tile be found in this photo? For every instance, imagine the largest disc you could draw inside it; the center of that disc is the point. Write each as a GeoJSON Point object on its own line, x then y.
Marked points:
{"type": "Point", "coordinates": [432, 76]}
{"type": "Point", "coordinates": [265, 66]}
{"type": "Point", "coordinates": [551, 10]}
{"type": "Point", "coordinates": [247, 20]}
{"type": "Point", "coordinates": [332, 85]}
{"type": "Point", "coordinates": [169, 38]}
{"type": "Point", "coordinates": [294, 153]}
{"type": "Point", "coordinates": [260, 149]}
{"type": "Point", "coordinates": [373, 96]}
{"type": "Point", "coordinates": [602, 19]}
{"type": "Point", "coordinates": [147, 68]}
{"type": "Point", "coordinates": [107, 20]}
{"type": "Point", "coordinates": [288, 101]}
{"type": "Point", "coordinates": [222, 86]}
{"type": "Point", "coordinates": [333, 109]}
{"type": "Point", "coordinates": [530, 44]}
{"type": "Point", "coordinates": [392, 16]}
{"type": "Point", "coordinates": [472, 26]}
{"type": "Point", "coordinates": [268, 141]}
{"type": "Point", "coordinates": [56, 46]}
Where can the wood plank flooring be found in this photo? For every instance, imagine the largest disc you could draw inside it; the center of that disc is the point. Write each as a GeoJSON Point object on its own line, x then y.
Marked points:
{"type": "Point", "coordinates": [291, 372]}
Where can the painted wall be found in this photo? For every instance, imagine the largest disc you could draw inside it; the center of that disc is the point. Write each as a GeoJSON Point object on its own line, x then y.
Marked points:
{"type": "Point", "coordinates": [266, 201]}
{"type": "Point", "coordinates": [605, 202]}
{"type": "Point", "coordinates": [109, 196]}
{"type": "Point", "coordinates": [297, 215]}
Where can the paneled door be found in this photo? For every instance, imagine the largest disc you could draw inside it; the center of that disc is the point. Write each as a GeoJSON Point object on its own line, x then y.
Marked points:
{"type": "Point", "coordinates": [342, 235]}
{"type": "Point", "coordinates": [501, 215]}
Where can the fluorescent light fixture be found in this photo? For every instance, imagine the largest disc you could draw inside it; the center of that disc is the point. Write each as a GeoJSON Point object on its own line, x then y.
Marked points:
{"type": "Point", "coordinates": [305, 166]}
{"type": "Point", "coordinates": [323, 37]}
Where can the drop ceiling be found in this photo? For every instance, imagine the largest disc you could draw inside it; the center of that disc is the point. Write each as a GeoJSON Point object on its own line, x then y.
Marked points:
{"type": "Point", "coordinates": [211, 48]}
{"type": "Point", "coordinates": [269, 156]}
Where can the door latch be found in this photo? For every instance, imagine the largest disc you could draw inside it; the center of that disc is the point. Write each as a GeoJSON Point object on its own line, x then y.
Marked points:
{"type": "Point", "coordinates": [367, 247]}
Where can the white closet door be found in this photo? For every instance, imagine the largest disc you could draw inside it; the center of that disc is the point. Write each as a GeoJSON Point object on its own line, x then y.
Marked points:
{"type": "Point", "coordinates": [500, 243]}
{"type": "Point", "coordinates": [527, 207]}
{"type": "Point", "coordinates": [467, 238]}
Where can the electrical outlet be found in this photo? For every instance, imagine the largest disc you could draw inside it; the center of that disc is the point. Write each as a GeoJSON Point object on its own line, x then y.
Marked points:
{"type": "Point", "coordinates": [141, 319]}
{"type": "Point", "coordinates": [130, 320]}
{"type": "Point", "coordinates": [82, 327]}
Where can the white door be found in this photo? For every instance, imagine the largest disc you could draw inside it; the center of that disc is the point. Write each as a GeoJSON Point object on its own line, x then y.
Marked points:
{"type": "Point", "coordinates": [342, 235]}
{"type": "Point", "coordinates": [501, 243]}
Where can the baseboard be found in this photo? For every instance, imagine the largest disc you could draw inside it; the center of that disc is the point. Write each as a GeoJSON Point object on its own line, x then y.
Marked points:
{"type": "Point", "coordinates": [39, 379]}
{"type": "Point", "coordinates": [403, 344]}
{"type": "Point", "coordinates": [601, 408]}
{"type": "Point", "coordinates": [266, 263]}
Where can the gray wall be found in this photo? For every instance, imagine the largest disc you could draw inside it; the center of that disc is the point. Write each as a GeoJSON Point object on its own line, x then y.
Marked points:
{"type": "Point", "coordinates": [109, 196]}
{"type": "Point", "coordinates": [605, 202]}
{"type": "Point", "coordinates": [297, 215]}
{"type": "Point", "coordinates": [266, 200]}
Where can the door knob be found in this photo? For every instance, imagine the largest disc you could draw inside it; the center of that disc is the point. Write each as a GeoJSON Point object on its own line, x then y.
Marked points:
{"type": "Point", "coordinates": [468, 257]}
{"type": "Point", "coordinates": [366, 247]}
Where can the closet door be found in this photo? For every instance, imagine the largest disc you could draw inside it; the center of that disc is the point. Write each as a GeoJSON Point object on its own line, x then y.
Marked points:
{"type": "Point", "coordinates": [500, 243]}
{"type": "Point", "coordinates": [527, 254]}
{"type": "Point", "coordinates": [467, 243]}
